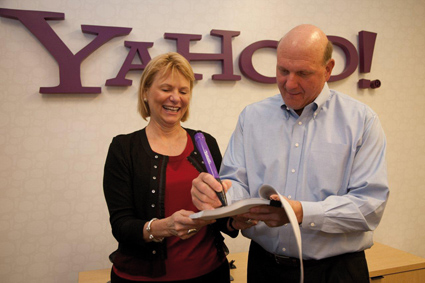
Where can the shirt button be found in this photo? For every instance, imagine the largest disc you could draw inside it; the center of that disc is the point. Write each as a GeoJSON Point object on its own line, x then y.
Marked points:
{"type": "Point", "coordinates": [300, 123]}
{"type": "Point", "coordinates": [312, 224]}
{"type": "Point", "coordinates": [156, 156]}
{"type": "Point", "coordinates": [153, 191]}
{"type": "Point", "coordinates": [289, 197]}
{"type": "Point", "coordinates": [152, 205]}
{"type": "Point", "coordinates": [154, 252]}
{"type": "Point", "coordinates": [155, 166]}
{"type": "Point", "coordinates": [283, 249]}
{"type": "Point", "coordinates": [293, 170]}
{"type": "Point", "coordinates": [154, 177]}
{"type": "Point", "coordinates": [195, 152]}
{"type": "Point", "coordinates": [297, 144]}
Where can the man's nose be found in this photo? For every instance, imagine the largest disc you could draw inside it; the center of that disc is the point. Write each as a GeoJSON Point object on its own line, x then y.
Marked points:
{"type": "Point", "coordinates": [291, 81]}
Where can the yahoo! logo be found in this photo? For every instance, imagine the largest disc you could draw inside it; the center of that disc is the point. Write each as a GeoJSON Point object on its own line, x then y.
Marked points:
{"type": "Point", "coordinates": [69, 63]}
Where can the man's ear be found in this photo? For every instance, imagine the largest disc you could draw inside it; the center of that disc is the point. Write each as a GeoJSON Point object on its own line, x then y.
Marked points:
{"type": "Point", "coordinates": [329, 67]}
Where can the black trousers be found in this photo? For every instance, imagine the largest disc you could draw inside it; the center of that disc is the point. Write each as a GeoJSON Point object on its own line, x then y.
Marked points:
{"type": "Point", "coordinates": [346, 268]}
{"type": "Point", "coordinates": [220, 274]}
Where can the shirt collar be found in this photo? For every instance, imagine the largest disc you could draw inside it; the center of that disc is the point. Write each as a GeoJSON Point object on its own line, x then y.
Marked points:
{"type": "Point", "coordinates": [286, 109]}
{"type": "Point", "coordinates": [316, 105]}
{"type": "Point", "coordinates": [321, 99]}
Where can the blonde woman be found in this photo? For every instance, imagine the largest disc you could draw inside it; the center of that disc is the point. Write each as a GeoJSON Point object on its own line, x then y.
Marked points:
{"type": "Point", "coordinates": [147, 181]}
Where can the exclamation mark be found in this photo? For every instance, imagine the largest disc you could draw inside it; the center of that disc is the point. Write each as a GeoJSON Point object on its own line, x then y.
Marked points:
{"type": "Point", "coordinates": [366, 47]}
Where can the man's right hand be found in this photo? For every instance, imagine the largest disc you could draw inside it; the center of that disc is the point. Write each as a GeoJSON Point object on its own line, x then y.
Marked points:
{"type": "Point", "coordinates": [204, 189]}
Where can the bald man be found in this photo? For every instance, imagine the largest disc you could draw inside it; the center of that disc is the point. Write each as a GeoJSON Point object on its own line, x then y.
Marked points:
{"type": "Point", "coordinates": [323, 151]}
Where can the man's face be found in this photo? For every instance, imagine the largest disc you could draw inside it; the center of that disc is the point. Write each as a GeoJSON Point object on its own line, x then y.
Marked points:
{"type": "Point", "coordinates": [301, 75]}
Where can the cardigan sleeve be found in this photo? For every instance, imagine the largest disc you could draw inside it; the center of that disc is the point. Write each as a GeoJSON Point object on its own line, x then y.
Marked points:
{"type": "Point", "coordinates": [117, 186]}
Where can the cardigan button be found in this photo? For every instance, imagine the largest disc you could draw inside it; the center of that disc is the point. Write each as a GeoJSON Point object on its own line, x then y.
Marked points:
{"type": "Point", "coordinates": [154, 252]}
{"type": "Point", "coordinates": [152, 205]}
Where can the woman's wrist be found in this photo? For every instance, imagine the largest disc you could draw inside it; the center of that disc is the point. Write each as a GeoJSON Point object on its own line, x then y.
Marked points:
{"type": "Point", "coordinates": [149, 231]}
{"type": "Point", "coordinates": [230, 225]}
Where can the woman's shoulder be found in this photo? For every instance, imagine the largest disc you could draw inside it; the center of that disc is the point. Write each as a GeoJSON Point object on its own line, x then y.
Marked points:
{"type": "Point", "coordinates": [136, 136]}
{"type": "Point", "coordinates": [192, 133]}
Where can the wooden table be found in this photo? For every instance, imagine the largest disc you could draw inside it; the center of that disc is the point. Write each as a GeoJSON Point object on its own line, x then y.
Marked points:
{"type": "Point", "coordinates": [386, 265]}
{"type": "Point", "coordinates": [390, 265]}
{"type": "Point", "coordinates": [241, 263]}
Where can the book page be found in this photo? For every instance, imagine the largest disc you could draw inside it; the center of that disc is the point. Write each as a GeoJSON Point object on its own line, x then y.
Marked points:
{"type": "Point", "coordinates": [236, 208]}
{"type": "Point", "coordinates": [265, 192]}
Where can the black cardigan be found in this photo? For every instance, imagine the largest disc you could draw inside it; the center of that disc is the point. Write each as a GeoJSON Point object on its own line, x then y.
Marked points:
{"type": "Point", "coordinates": [134, 188]}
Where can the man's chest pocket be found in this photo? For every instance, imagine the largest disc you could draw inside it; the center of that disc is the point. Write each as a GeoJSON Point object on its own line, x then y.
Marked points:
{"type": "Point", "coordinates": [327, 166]}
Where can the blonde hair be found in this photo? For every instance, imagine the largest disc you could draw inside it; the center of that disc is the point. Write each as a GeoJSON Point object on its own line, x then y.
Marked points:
{"type": "Point", "coordinates": [165, 64]}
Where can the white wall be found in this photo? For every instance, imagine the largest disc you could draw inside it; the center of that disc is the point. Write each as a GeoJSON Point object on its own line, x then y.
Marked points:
{"type": "Point", "coordinates": [53, 217]}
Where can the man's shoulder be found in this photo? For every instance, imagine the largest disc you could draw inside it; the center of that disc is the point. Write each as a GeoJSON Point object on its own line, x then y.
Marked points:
{"type": "Point", "coordinates": [348, 103]}
{"type": "Point", "coordinates": [275, 100]}
{"type": "Point", "coordinates": [263, 108]}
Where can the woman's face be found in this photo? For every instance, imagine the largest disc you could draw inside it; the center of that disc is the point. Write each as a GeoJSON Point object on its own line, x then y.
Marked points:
{"type": "Point", "coordinates": [168, 99]}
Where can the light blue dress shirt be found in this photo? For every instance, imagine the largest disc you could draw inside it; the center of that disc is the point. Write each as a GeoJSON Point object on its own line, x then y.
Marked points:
{"type": "Point", "coordinates": [331, 158]}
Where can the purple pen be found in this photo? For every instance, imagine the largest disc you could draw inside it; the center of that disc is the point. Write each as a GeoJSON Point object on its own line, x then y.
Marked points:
{"type": "Point", "coordinates": [209, 163]}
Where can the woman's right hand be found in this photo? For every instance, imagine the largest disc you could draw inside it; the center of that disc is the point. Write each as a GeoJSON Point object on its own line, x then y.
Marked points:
{"type": "Point", "coordinates": [181, 225]}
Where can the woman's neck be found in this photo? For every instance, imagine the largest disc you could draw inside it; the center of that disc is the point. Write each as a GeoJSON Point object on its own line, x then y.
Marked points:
{"type": "Point", "coordinates": [166, 141]}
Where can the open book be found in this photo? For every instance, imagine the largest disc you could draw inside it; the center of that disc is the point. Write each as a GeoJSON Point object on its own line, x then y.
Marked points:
{"type": "Point", "coordinates": [239, 207]}
{"type": "Point", "coordinates": [244, 205]}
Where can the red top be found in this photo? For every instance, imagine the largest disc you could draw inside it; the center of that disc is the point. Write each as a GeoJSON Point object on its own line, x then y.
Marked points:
{"type": "Point", "coordinates": [197, 255]}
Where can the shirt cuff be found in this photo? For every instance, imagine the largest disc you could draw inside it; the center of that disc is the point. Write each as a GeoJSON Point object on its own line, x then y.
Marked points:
{"type": "Point", "coordinates": [313, 215]}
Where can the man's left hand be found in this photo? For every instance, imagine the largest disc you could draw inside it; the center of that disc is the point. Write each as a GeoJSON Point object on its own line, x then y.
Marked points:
{"type": "Point", "coordinates": [274, 216]}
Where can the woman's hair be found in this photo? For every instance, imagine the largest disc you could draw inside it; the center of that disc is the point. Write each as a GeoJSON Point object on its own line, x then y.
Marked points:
{"type": "Point", "coordinates": [162, 65]}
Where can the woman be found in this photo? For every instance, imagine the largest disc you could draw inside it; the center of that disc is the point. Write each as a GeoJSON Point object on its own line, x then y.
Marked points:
{"type": "Point", "coordinates": [147, 182]}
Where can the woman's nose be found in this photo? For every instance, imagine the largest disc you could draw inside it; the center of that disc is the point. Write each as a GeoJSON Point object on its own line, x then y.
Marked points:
{"type": "Point", "coordinates": [174, 96]}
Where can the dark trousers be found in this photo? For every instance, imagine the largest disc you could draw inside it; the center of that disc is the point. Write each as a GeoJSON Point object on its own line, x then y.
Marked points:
{"type": "Point", "coordinates": [346, 268]}
{"type": "Point", "coordinates": [220, 274]}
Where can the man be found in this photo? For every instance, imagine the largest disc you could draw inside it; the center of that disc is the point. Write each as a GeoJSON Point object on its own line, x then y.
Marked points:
{"type": "Point", "coordinates": [323, 151]}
